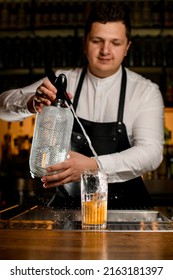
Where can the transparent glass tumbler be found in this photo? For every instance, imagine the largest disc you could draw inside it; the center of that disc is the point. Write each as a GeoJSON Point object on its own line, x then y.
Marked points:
{"type": "Point", "coordinates": [94, 190]}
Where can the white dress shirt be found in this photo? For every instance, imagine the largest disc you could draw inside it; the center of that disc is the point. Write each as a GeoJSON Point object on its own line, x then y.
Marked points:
{"type": "Point", "coordinates": [98, 102]}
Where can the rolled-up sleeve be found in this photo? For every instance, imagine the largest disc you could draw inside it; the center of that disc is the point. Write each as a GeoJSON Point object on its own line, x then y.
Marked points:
{"type": "Point", "coordinates": [146, 137]}
{"type": "Point", "coordinates": [13, 103]}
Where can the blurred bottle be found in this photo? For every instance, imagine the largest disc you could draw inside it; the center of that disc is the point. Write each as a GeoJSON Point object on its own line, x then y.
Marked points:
{"type": "Point", "coordinates": [54, 13]}
{"type": "Point", "coordinates": [80, 12]}
{"type": "Point", "coordinates": [147, 51]}
{"type": "Point", "coordinates": [163, 169]}
{"type": "Point", "coordinates": [156, 13]}
{"type": "Point", "coordinates": [146, 14]}
{"type": "Point", "coordinates": [136, 14]}
{"type": "Point", "coordinates": [46, 13]}
{"type": "Point", "coordinates": [159, 51]}
{"type": "Point", "coordinates": [13, 14]}
{"type": "Point", "coordinates": [22, 140]}
{"type": "Point", "coordinates": [62, 13]}
{"type": "Point", "coordinates": [6, 149]}
{"type": "Point", "coordinates": [168, 14]}
{"type": "Point", "coordinates": [21, 15]}
{"type": "Point", "coordinates": [7, 145]}
{"type": "Point", "coordinates": [137, 50]}
{"type": "Point", "coordinates": [170, 161]}
{"type": "Point", "coordinates": [168, 43]}
{"type": "Point", "coordinates": [169, 89]}
{"type": "Point", "coordinates": [37, 14]}
{"type": "Point", "coordinates": [4, 19]}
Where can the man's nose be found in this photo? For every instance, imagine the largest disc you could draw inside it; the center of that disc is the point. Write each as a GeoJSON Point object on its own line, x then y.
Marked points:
{"type": "Point", "coordinates": [105, 48]}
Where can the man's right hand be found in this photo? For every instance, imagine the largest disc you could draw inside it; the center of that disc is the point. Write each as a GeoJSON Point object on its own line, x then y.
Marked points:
{"type": "Point", "coordinates": [44, 95]}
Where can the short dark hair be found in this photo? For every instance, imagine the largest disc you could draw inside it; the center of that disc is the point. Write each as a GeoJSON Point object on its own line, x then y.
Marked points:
{"type": "Point", "coordinates": [104, 12]}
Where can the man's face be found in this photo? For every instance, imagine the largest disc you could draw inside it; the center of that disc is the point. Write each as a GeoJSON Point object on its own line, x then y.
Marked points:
{"type": "Point", "coordinates": [105, 47]}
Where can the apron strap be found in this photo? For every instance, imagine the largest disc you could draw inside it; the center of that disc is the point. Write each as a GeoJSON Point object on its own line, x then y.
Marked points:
{"type": "Point", "coordinates": [79, 86]}
{"type": "Point", "coordinates": [121, 101]}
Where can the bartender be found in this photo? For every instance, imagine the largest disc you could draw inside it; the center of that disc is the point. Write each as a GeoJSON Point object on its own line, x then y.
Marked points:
{"type": "Point", "coordinates": [121, 111]}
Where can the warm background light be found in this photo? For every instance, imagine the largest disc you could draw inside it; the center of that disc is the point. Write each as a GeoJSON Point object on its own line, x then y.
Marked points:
{"type": "Point", "coordinates": [26, 127]}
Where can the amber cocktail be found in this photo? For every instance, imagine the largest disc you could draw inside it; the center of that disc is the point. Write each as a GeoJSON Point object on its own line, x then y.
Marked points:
{"type": "Point", "coordinates": [94, 200]}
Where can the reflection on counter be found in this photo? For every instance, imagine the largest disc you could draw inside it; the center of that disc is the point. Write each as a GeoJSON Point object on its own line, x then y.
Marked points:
{"type": "Point", "coordinates": [19, 194]}
{"type": "Point", "coordinates": [37, 218]}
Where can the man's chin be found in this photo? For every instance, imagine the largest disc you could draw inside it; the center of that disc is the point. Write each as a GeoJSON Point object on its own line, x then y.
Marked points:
{"type": "Point", "coordinates": [104, 71]}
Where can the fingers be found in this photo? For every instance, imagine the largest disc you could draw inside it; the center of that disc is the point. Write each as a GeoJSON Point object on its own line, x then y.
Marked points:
{"type": "Point", "coordinates": [56, 180]}
{"type": "Point", "coordinates": [69, 170]}
{"type": "Point", "coordinates": [65, 173]}
{"type": "Point", "coordinates": [41, 98]}
{"type": "Point", "coordinates": [37, 105]}
{"type": "Point", "coordinates": [47, 88]}
{"type": "Point", "coordinates": [45, 93]}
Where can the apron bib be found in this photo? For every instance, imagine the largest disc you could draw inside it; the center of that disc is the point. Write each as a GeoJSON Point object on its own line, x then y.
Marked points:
{"type": "Point", "coordinates": [106, 138]}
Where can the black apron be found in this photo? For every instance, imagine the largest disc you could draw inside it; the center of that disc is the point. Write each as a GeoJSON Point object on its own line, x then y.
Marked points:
{"type": "Point", "coordinates": [106, 138]}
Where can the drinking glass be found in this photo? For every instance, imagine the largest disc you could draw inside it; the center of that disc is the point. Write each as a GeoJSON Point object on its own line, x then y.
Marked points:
{"type": "Point", "coordinates": [94, 189]}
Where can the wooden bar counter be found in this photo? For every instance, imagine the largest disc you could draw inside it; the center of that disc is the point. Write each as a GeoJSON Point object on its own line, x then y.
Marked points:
{"type": "Point", "coordinates": [83, 245]}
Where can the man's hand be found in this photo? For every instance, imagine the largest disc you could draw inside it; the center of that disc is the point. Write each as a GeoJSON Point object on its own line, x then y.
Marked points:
{"type": "Point", "coordinates": [44, 95]}
{"type": "Point", "coordinates": [69, 170]}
